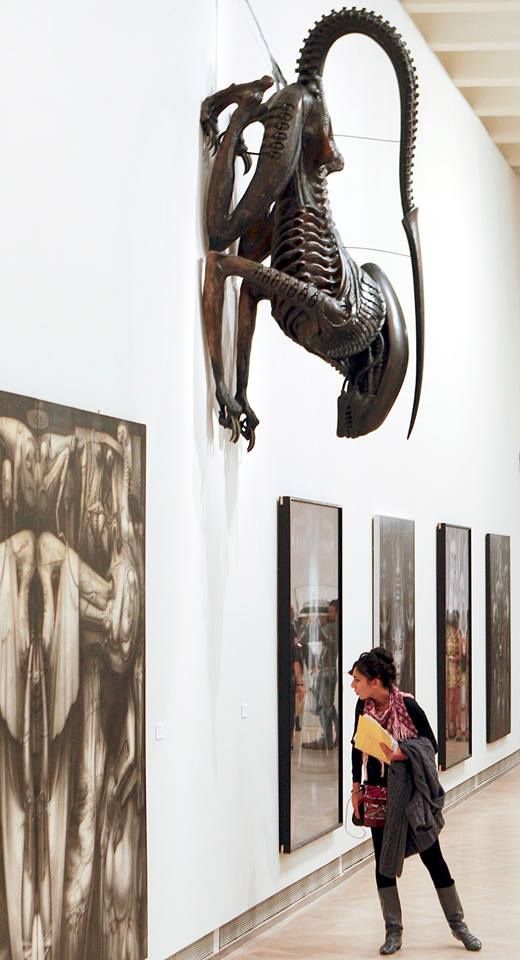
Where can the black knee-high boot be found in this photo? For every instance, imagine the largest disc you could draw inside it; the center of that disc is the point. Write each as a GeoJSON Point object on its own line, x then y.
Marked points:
{"type": "Point", "coordinates": [391, 908]}
{"type": "Point", "coordinates": [450, 903]}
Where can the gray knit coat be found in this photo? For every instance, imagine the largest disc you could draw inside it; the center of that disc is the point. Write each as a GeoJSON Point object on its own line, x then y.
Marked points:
{"type": "Point", "coordinates": [415, 801]}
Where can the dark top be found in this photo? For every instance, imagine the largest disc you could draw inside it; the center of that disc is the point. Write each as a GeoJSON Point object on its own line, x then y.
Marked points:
{"type": "Point", "coordinates": [374, 777]}
{"type": "Point", "coordinates": [296, 648]}
{"type": "Point", "coordinates": [329, 649]}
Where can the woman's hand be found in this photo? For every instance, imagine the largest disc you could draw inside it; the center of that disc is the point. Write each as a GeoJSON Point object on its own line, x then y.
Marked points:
{"type": "Point", "coordinates": [390, 755]}
{"type": "Point", "coordinates": [357, 796]}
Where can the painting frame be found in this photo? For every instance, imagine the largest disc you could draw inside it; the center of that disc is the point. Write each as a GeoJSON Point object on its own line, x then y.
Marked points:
{"type": "Point", "coordinates": [289, 837]}
{"type": "Point", "coordinates": [454, 626]}
{"type": "Point", "coordinates": [498, 636]}
{"type": "Point", "coordinates": [393, 593]}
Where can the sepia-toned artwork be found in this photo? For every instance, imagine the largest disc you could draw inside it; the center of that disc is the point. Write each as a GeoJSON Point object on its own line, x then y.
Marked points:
{"type": "Point", "coordinates": [72, 763]}
{"type": "Point", "coordinates": [454, 643]}
{"type": "Point", "coordinates": [393, 578]}
{"type": "Point", "coordinates": [498, 636]}
{"type": "Point", "coordinates": [309, 671]}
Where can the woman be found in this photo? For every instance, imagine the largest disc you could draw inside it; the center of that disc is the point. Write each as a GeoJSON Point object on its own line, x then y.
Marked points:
{"type": "Point", "coordinates": [373, 679]}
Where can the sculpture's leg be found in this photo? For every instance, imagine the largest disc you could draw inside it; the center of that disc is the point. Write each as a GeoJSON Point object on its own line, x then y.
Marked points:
{"type": "Point", "coordinates": [247, 308]}
{"type": "Point", "coordinates": [212, 305]}
{"type": "Point", "coordinates": [378, 371]}
{"type": "Point", "coordinates": [255, 244]}
{"type": "Point", "coordinates": [323, 324]}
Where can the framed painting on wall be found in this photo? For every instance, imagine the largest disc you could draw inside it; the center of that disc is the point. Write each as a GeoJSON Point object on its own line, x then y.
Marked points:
{"type": "Point", "coordinates": [453, 643]}
{"type": "Point", "coordinates": [498, 636]}
{"type": "Point", "coordinates": [72, 746]}
{"type": "Point", "coordinates": [309, 671]}
{"type": "Point", "coordinates": [393, 583]}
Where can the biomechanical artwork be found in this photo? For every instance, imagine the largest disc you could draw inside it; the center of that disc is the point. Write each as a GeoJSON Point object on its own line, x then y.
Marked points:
{"type": "Point", "coordinates": [309, 670]}
{"type": "Point", "coordinates": [394, 594]}
{"type": "Point", "coordinates": [498, 636]}
{"type": "Point", "coordinates": [454, 643]}
{"type": "Point", "coordinates": [72, 763]}
{"type": "Point", "coordinates": [348, 315]}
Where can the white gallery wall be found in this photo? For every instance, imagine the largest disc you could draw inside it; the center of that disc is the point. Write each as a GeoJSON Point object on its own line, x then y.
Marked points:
{"type": "Point", "coordinates": [102, 182]}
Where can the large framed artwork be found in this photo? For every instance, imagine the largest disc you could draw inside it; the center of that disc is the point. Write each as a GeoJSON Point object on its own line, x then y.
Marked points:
{"type": "Point", "coordinates": [72, 659]}
{"type": "Point", "coordinates": [309, 671]}
{"type": "Point", "coordinates": [453, 643]}
{"type": "Point", "coordinates": [393, 581]}
{"type": "Point", "coordinates": [498, 636]}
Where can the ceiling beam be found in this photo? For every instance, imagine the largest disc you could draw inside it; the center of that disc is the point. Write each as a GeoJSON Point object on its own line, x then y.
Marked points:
{"type": "Point", "coordinates": [487, 68]}
{"type": "Point", "coordinates": [478, 43]}
{"type": "Point", "coordinates": [470, 31]}
{"type": "Point", "coordinates": [511, 152]}
{"type": "Point", "coordinates": [503, 129]}
{"type": "Point", "coordinates": [493, 101]}
{"type": "Point", "coordinates": [461, 6]}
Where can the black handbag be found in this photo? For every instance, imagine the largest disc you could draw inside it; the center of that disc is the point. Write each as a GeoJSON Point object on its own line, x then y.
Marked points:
{"type": "Point", "coordinates": [359, 821]}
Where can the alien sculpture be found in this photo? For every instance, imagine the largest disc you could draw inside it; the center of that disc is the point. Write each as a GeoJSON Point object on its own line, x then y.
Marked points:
{"type": "Point", "coordinates": [346, 314]}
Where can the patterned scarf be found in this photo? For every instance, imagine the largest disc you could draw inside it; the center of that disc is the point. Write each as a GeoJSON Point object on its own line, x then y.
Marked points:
{"type": "Point", "coordinates": [394, 717]}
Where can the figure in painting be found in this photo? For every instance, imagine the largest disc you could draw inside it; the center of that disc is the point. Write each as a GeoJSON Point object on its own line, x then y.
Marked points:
{"type": "Point", "coordinates": [394, 594]}
{"type": "Point", "coordinates": [498, 640]}
{"type": "Point", "coordinates": [454, 599]}
{"type": "Point", "coordinates": [453, 676]}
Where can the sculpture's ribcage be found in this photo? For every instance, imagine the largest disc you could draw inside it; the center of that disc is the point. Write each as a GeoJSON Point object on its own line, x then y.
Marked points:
{"type": "Point", "coordinates": [304, 247]}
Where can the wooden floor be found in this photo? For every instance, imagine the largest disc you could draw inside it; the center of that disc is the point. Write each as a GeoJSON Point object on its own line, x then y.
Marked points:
{"type": "Point", "coordinates": [481, 843]}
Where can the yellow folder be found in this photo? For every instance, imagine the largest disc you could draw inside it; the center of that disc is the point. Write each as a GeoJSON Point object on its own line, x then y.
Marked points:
{"type": "Point", "coordinates": [369, 735]}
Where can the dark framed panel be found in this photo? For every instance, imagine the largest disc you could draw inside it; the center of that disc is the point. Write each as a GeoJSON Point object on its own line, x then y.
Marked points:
{"type": "Point", "coordinates": [72, 595]}
{"type": "Point", "coordinates": [453, 643]}
{"type": "Point", "coordinates": [310, 761]}
{"type": "Point", "coordinates": [393, 590]}
{"type": "Point", "coordinates": [498, 637]}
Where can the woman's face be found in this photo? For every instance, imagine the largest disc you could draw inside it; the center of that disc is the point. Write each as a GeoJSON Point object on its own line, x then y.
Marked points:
{"type": "Point", "coordinates": [362, 686]}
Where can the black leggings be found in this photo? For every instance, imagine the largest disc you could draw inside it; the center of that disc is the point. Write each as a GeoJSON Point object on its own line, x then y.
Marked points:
{"type": "Point", "coordinates": [432, 858]}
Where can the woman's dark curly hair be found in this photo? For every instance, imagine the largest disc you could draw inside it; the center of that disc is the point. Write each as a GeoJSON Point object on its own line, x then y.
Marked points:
{"type": "Point", "coordinates": [376, 663]}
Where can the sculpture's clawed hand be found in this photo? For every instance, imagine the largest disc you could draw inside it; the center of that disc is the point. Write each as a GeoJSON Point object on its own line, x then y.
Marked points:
{"type": "Point", "coordinates": [247, 96]}
{"type": "Point", "coordinates": [244, 154]}
{"type": "Point", "coordinates": [241, 150]}
{"type": "Point", "coordinates": [209, 123]}
{"type": "Point", "coordinates": [229, 412]}
{"type": "Point", "coordinates": [248, 424]}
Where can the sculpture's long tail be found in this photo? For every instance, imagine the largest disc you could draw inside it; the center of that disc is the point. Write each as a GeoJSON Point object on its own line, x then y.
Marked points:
{"type": "Point", "coordinates": [310, 68]}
